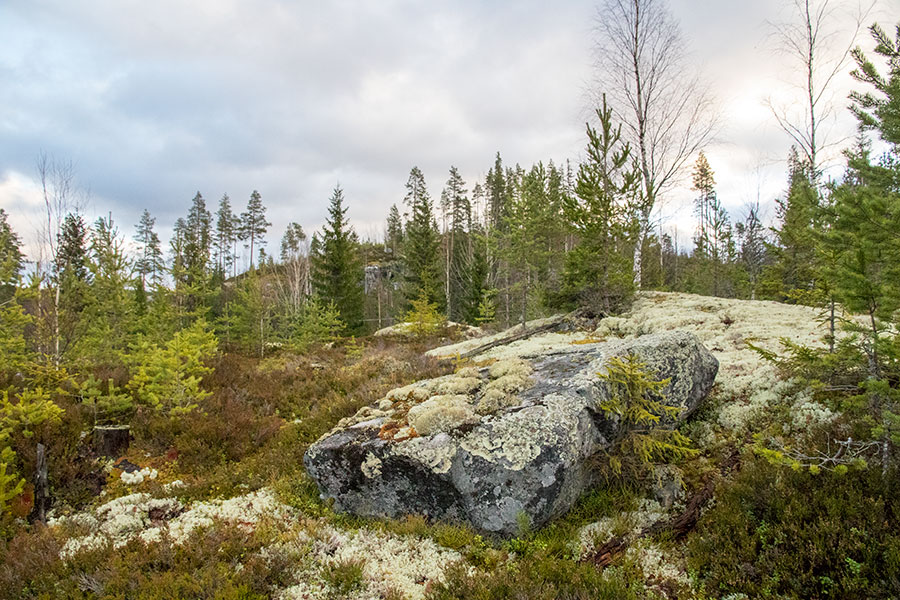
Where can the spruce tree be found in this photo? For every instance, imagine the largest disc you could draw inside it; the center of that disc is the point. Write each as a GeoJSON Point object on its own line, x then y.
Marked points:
{"type": "Point", "coordinates": [149, 264]}
{"type": "Point", "coordinates": [110, 315]}
{"type": "Point", "coordinates": [421, 251]}
{"type": "Point", "coordinates": [13, 320]}
{"type": "Point", "coordinates": [751, 234]}
{"type": "Point", "coordinates": [337, 268]}
{"type": "Point", "coordinates": [598, 269]}
{"type": "Point", "coordinates": [73, 279]}
{"type": "Point", "coordinates": [793, 275]}
{"type": "Point", "coordinates": [458, 250]}
{"type": "Point", "coordinates": [11, 259]}
{"type": "Point", "coordinates": [393, 241]}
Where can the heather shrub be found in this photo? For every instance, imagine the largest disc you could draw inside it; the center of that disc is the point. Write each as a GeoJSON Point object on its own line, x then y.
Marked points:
{"type": "Point", "coordinates": [777, 533]}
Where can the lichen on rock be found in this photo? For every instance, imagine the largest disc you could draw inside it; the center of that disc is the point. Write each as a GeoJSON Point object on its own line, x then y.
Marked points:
{"type": "Point", "coordinates": [517, 442]}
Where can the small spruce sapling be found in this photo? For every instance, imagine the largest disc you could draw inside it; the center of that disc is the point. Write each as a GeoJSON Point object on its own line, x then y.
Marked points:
{"type": "Point", "coordinates": [424, 318]}
{"type": "Point", "coordinates": [636, 399]}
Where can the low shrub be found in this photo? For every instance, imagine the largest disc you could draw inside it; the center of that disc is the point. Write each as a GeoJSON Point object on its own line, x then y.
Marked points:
{"type": "Point", "coordinates": [778, 533]}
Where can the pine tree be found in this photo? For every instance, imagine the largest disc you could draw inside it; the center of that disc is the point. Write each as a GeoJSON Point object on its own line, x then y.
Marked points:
{"type": "Point", "coordinates": [197, 258]}
{"type": "Point", "coordinates": [254, 224]}
{"type": "Point", "coordinates": [421, 252]}
{"type": "Point", "coordinates": [337, 269]}
{"type": "Point", "coordinates": [714, 247]}
{"type": "Point", "coordinates": [704, 184]}
{"type": "Point", "coordinates": [226, 237]}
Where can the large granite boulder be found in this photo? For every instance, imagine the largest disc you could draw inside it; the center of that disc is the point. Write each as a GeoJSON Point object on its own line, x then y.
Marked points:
{"type": "Point", "coordinates": [499, 447]}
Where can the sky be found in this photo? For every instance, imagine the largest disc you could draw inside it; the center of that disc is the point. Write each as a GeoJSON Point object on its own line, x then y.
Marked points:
{"type": "Point", "coordinates": [152, 102]}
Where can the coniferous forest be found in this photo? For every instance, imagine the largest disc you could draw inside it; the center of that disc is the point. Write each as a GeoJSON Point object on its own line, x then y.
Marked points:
{"type": "Point", "coordinates": [158, 395]}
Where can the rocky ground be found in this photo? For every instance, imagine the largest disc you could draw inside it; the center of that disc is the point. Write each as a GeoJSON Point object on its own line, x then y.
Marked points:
{"type": "Point", "coordinates": [327, 555]}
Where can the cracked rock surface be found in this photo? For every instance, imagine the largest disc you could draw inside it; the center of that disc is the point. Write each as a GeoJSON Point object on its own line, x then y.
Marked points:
{"type": "Point", "coordinates": [500, 446]}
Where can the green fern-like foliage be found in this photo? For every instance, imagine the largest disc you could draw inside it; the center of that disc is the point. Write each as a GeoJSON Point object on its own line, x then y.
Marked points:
{"type": "Point", "coordinates": [636, 398]}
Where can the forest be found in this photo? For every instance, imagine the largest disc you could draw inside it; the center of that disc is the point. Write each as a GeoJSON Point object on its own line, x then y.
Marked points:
{"type": "Point", "coordinates": [223, 358]}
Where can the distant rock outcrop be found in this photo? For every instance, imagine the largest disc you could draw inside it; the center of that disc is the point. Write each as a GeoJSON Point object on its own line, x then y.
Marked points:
{"type": "Point", "coordinates": [497, 445]}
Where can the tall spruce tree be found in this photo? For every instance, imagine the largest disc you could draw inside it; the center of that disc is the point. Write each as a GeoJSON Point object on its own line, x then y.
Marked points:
{"type": "Point", "coordinates": [458, 250]}
{"type": "Point", "coordinates": [110, 313]}
{"type": "Point", "coordinates": [793, 274]}
{"type": "Point", "coordinates": [73, 282]}
{"type": "Point", "coordinates": [752, 237]}
{"type": "Point", "coordinates": [149, 264]}
{"type": "Point", "coordinates": [337, 268]}
{"type": "Point", "coordinates": [13, 320]}
{"type": "Point", "coordinates": [421, 251]}
{"type": "Point", "coordinates": [11, 258]}
{"type": "Point", "coordinates": [393, 240]}
{"type": "Point", "coordinates": [861, 234]}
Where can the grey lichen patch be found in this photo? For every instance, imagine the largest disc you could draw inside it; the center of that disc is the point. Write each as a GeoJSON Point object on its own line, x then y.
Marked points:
{"type": "Point", "coordinates": [510, 366]}
{"type": "Point", "coordinates": [468, 372]}
{"type": "Point", "coordinates": [494, 400]}
{"type": "Point", "coordinates": [367, 416]}
{"type": "Point", "coordinates": [515, 439]}
{"type": "Point", "coordinates": [416, 392]}
{"type": "Point", "coordinates": [436, 452]}
{"type": "Point", "coordinates": [458, 385]}
{"type": "Point", "coordinates": [441, 413]}
{"type": "Point", "coordinates": [371, 467]}
{"type": "Point", "coordinates": [510, 384]}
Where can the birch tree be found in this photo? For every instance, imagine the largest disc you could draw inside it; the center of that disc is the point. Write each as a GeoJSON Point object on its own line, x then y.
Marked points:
{"type": "Point", "coordinates": [666, 110]}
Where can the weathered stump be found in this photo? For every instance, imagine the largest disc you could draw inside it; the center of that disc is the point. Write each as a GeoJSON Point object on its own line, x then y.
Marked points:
{"type": "Point", "coordinates": [111, 440]}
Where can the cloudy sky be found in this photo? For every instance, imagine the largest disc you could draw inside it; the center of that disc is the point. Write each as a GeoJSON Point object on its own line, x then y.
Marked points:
{"type": "Point", "coordinates": [154, 101]}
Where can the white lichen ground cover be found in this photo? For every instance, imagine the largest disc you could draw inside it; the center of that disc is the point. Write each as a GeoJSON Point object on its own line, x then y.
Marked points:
{"type": "Point", "coordinates": [389, 563]}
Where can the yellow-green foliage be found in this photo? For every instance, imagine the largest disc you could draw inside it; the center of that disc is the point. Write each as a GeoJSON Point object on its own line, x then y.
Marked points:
{"type": "Point", "coordinates": [31, 409]}
{"type": "Point", "coordinates": [168, 378]}
{"type": "Point", "coordinates": [13, 351]}
{"type": "Point", "coordinates": [424, 318]}
{"type": "Point", "coordinates": [111, 405]}
{"type": "Point", "coordinates": [636, 398]}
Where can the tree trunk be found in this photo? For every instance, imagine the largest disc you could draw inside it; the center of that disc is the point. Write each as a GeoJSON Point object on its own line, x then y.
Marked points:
{"type": "Point", "coordinates": [41, 487]}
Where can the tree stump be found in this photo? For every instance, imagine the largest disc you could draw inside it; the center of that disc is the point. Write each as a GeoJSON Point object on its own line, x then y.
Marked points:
{"type": "Point", "coordinates": [111, 440]}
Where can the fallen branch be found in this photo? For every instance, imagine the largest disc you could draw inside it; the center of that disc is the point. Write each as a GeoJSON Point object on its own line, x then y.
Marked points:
{"type": "Point", "coordinates": [677, 527]}
{"type": "Point", "coordinates": [554, 325]}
